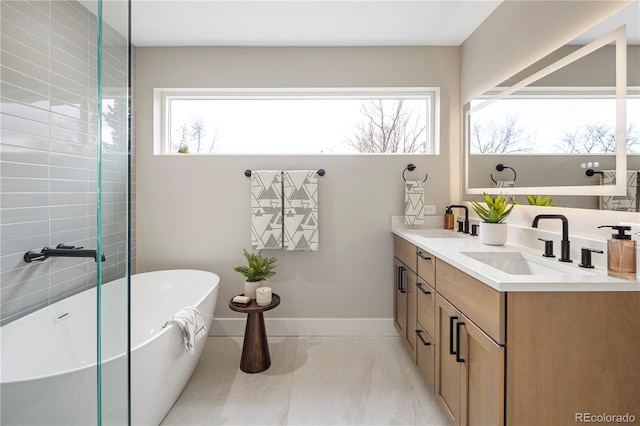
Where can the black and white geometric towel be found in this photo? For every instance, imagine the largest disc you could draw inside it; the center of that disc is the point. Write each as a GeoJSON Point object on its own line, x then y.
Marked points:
{"type": "Point", "coordinates": [192, 325]}
{"type": "Point", "coordinates": [414, 202]}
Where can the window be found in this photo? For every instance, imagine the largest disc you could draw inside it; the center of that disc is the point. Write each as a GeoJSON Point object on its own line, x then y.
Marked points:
{"type": "Point", "coordinates": [322, 121]}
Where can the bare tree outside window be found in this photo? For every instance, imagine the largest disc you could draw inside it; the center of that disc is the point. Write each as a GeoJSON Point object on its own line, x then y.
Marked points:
{"type": "Point", "coordinates": [389, 127]}
{"type": "Point", "coordinates": [597, 138]}
{"type": "Point", "coordinates": [508, 137]}
{"type": "Point", "coordinates": [194, 136]}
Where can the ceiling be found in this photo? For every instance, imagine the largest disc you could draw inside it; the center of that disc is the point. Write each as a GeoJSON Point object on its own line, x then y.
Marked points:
{"type": "Point", "coordinates": [306, 22]}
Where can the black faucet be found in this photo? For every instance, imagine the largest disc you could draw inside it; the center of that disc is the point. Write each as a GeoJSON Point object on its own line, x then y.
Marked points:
{"type": "Point", "coordinates": [466, 215]}
{"type": "Point", "coordinates": [62, 250]}
{"type": "Point", "coordinates": [565, 247]}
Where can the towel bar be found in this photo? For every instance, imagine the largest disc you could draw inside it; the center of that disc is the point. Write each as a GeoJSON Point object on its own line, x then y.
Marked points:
{"type": "Point", "coordinates": [320, 172]}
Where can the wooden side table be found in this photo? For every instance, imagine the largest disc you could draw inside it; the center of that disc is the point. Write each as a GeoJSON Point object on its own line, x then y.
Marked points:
{"type": "Point", "coordinates": [255, 349]}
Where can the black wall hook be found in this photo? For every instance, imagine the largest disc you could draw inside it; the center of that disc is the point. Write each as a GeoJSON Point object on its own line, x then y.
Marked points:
{"type": "Point", "coordinates": [591, 172]}
{"type": "Point", "coordinates": [412, 167]}
{"type": "Point", "coordinates": [500, 167]}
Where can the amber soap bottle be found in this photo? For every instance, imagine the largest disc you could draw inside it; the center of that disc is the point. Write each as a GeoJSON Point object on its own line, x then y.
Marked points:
{"type": "Point", "coordinates": [448, 219]}
{"type": "Point", "coordinates": [621, 253]}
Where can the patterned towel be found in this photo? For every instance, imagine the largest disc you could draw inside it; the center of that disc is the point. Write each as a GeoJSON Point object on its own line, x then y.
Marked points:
{"type": "Point", "coordinates": [413, 202]}
{"type": "Point", "coordinates": [192, 325]}
{"type": "Point", "coordinates": [300, 191]}
{"type": "Point", "coordinates": [266, 209]}
{"type": "Point", "coordinates": [504, 184]}
{"type": "Point", "coordinates": [630, 202]}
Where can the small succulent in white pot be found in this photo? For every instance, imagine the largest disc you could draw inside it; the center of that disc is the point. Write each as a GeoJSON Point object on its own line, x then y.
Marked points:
{"type": "Point", "coordinates": [493, 230]}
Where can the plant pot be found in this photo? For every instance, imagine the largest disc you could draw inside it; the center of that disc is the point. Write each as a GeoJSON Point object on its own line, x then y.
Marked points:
{"type": "Point", "coordinates": [250, 288]}
{"type": "Point", "coordinates": [493, 234]}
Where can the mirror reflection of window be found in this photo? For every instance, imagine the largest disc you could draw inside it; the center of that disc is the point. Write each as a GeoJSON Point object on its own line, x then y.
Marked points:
{"type": "Point", "coordinates": [577, 123]}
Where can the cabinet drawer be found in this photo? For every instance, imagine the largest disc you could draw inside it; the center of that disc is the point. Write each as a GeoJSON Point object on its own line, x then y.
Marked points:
{"type": "Point", "coordinates": [405, 251]}
{"type": "Point", "coordinates": [426, 307]}
{"type": "Point", "coordinates": [426, 357]}
{"type": "Point", "coordinates": [482, 304]}
{"type": "Point", "coordinates": [426, 266]}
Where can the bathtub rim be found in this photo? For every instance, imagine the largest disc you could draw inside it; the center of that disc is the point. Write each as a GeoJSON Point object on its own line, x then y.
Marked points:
{"type": "Point", "coordinates": [159, 333]}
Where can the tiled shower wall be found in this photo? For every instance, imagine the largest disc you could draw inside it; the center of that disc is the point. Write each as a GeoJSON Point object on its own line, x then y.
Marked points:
{"type": "Point", "coordinates": [48, 151]}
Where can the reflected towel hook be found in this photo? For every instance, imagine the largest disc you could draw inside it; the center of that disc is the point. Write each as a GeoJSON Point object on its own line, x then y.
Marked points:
{"type": "Point", "coordinates": [412, 167]}
{"type": "Point", "coordinates": [591, 172]}
{"type": "Point", "coordinates": [500, 167]}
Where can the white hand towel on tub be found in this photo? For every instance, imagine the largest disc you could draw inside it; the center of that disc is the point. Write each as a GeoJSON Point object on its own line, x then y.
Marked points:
{"type": "Point", "coordinates": [266, 209]}
{"type": "Point", "coordinates": [192, 325]}
{"type": "Point", "coordinates": [300, 193]}
{"type": "Point", "coordinates": [414, 202]}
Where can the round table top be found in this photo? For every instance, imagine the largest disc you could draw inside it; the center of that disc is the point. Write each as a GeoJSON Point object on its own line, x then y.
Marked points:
{"type": "Point", "coordinates": [253, 305]}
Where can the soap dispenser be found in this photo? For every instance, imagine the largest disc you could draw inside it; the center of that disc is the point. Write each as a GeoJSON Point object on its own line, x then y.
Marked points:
{"type": "Point", "coordinates": [621, 253]}
{"type": "Point", "coordinates": [448, 219]}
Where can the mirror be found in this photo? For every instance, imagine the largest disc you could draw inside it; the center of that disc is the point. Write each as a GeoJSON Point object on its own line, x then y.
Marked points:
{"type": "Point", "coordinates": [564, 125]}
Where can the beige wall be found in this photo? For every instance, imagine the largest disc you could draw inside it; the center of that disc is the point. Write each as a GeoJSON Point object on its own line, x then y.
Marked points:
{"type": "Point", "coordinates": [196, 208]}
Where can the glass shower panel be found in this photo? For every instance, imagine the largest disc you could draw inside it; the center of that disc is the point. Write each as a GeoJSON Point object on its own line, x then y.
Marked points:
{"type": "Point", "coordinates": [112, 181]}
{"type": "Point", "coordinates": [64, 161]}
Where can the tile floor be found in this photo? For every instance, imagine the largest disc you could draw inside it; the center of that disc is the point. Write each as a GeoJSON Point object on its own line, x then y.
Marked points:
{"type": "Point", "coordinates": [311, 381]}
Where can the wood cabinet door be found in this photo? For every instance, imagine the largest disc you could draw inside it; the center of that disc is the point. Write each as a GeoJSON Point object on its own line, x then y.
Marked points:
{"type": "Point", "coordinates": [425, 357]}
{"type": "Point", "coordinates": [400, 298]}
{"type": "Point", "coordinates": [448, 378]}
{"type": "Point", "coordinates": [412, 313]}
{"type": "Point", "coordinates": [426, 296]}
{"type": "Point", "coordinates": [482, 376]}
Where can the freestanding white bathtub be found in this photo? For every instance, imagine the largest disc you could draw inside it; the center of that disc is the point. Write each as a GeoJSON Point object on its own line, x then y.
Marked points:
{"type": "Point", "coordinates": [48, 366]}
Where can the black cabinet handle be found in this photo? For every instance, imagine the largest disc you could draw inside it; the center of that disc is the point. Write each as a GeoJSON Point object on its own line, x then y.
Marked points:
{"type": "Point", "coordinates": [422, 289]}
{"type": "Point", "coordinates": [451, 320]}
{"type": "Point", "coordinates": [458, 325]}
{"type": "Point", "coordinates": [419, 253]}
{"type": "Point", "coordinates": [399, 277]}
{"type": "Point", "coordinates": [401, 280]}
{"type": "Point", "coordinates": [419, 334]}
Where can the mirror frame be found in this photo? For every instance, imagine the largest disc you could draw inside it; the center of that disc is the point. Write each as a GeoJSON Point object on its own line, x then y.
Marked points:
{"type": "Point", "coordinates": [619, 37]}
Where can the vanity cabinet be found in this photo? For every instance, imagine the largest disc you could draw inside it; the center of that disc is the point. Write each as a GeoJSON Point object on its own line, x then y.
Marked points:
{"type": "Point", "coordinates": [553, 356]}
{"type": "Point", "coordinates": [571, 354]}
{"type": "Point", "coordinates": [461, 361]}
{"type": "Point", "coordinates": [425, 318]}
{"type": "Point", "coordinates": [469, 370]}
{"type": "Point", "coordinates": [400, 297]}
{"type": "Point", "coordinates": [405, 302]}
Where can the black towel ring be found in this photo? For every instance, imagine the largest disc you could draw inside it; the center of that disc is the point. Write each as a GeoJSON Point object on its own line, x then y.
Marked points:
{"type": "Point", "coordinates": [500, 167]}
{"type": "Point", "coordinates": [412, 167]}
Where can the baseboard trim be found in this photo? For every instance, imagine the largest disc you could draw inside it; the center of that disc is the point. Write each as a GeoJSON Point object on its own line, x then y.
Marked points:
{"type": "Point", "coordinates": [309, 327]}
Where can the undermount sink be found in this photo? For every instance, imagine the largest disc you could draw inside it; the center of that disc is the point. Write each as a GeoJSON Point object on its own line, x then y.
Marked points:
{"type": "Point", "coordinates": [517, 263]}
{"type": "Point", "coordinates": [438, 233]}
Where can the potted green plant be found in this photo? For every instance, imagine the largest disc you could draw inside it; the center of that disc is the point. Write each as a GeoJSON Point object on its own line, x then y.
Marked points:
{"type": "Point", "coordinates": [539, 200]}
{"type": "Point", "coordinates": [257, 270]}
{"type": "Point", "coordinates": [493, 230]}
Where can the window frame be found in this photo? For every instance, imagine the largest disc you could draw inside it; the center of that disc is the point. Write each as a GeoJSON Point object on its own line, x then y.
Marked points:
{"type": "Point", "coordinates": [163, 96]}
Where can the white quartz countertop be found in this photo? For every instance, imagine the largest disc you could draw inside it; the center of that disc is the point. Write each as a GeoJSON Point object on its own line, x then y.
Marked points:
{"type": "Point", "coordinates": [569, 276]}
